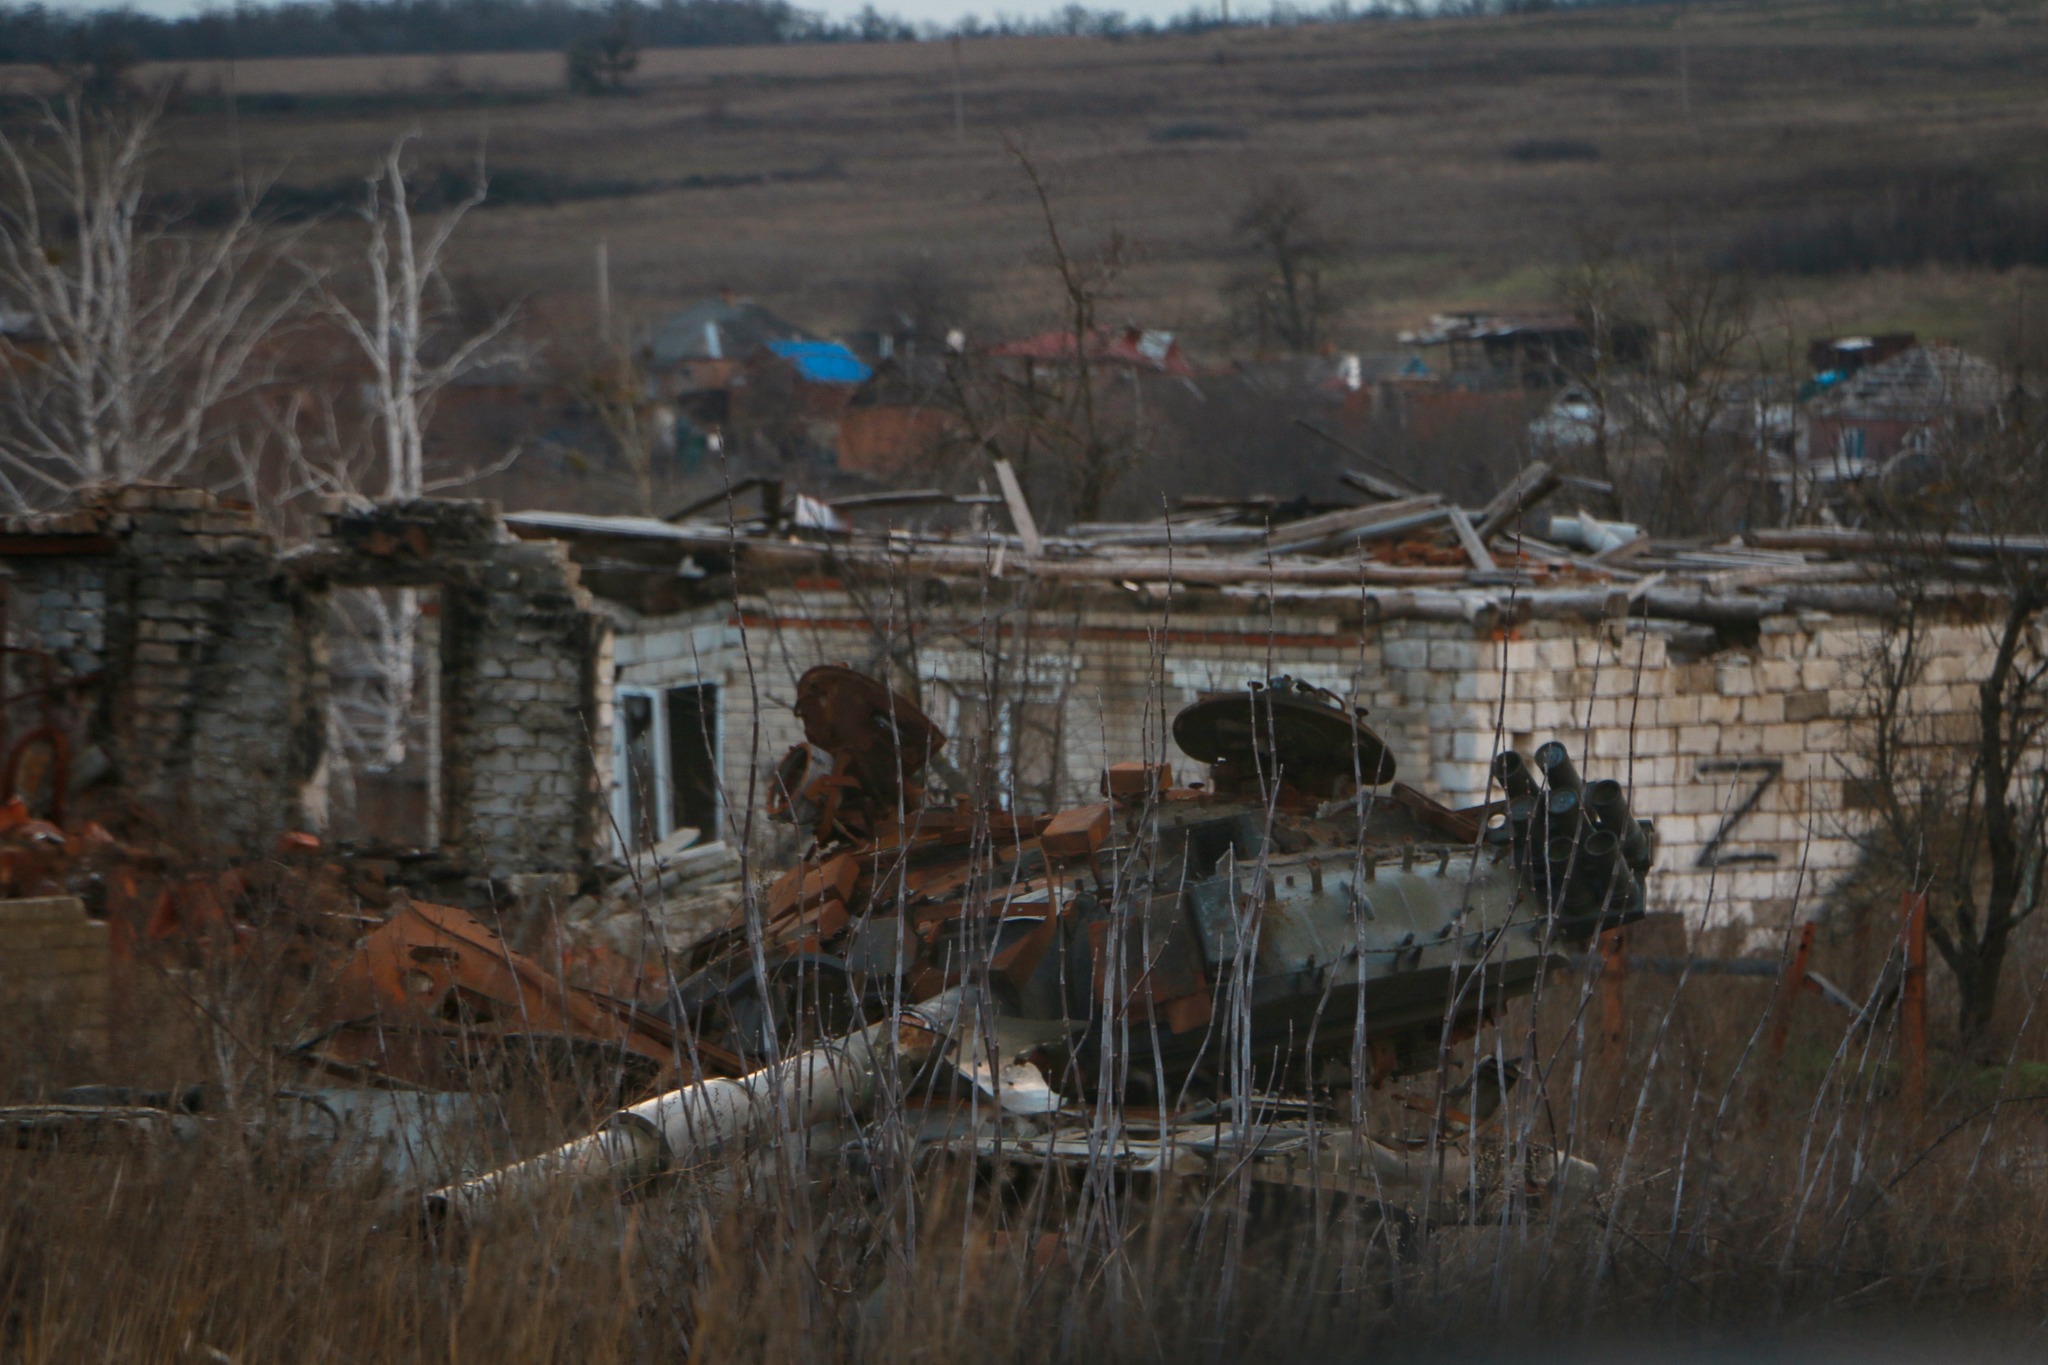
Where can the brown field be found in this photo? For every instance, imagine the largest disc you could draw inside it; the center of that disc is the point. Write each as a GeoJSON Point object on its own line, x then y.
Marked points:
{"type": "Point", "coordinates": [1402, 127]}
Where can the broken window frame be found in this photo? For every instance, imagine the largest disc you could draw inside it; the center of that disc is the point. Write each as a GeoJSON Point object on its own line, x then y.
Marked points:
{"type": "Point", "coordinates": [711, 704]}
{"type": "Point", "coordinates": [418, 723]}
{"type": "Point", "coordinates": [663, 775]}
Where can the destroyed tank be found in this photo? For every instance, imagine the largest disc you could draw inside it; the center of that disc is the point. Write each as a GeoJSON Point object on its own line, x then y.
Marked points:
{"type": "Point", "coordinates": [1297, 894]}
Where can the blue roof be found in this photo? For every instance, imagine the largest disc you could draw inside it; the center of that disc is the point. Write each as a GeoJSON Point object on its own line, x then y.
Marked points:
{"type": "Point", "coordinates": [823, 362]}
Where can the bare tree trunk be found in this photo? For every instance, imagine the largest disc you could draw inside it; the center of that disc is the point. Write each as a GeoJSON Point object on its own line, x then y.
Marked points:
{"type": "Point", "coordinates": [398, 333]}
{"type": "Point", "coordinates": [1965, 818]}
{"type": "Point", "coordinates": [1975, 941]}
{"type": "Point", "coordinates": [1050, 422]}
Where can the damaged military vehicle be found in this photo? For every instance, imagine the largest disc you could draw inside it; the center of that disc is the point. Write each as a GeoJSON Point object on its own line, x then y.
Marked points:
{"type": "Point", "coordinates": [1222, 964]}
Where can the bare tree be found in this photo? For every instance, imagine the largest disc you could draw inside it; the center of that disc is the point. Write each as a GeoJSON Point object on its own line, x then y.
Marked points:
{"type": "Point", "coordinates": [101, 69]}
{"type": "Point", "coordinates": [294, 444]}
{"type": "Point", "coordinates": [403, 331]}
{"type": "Point", "coordinates": [405, 323]}
{"type": "Point", "coordinates": [1663, 379]}
{"type": "Point", "coordinates": [1595, 287]}
{"type": "Point", "coordinates": [602, 63]}
{"type": "Point", "coordinates": [1093, 457]}
{"type": "Point", "coordinates": [620, 393]}
{"type": "Point", "coordinates": [1286, 295]}
{"type": "Point", "coordinates": [134, 336]}
{"type": "Point", "coordinates": [1072, 424]}
{"type": "Point", "coordinates": [918, 303]}
{"type": "Point", "coordinates": [1706, 336]}
{"type": "Point", "coordinates": [1960, 804]}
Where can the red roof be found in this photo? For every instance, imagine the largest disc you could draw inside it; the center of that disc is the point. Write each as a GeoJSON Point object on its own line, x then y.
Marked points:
{"type": "Point", "coordinates": [1132, 346]}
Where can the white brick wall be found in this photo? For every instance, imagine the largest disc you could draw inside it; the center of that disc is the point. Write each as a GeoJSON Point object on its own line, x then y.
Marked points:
{"type": "Point", "coordinates": [1445, 697]}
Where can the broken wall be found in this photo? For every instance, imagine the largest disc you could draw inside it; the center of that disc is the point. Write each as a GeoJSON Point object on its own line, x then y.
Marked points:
{"type": "Point", "coordinates": [200, 653]}
{"type": "Point", "coordinates": [525, 675]}
{"type": "Point", "coordinates": [61, 603]}
{"type": "Point", "coordinates": [188, 636]}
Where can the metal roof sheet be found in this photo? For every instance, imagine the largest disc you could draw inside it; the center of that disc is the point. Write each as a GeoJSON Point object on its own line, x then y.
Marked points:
{"type": "Point", "coordinates": [823, 362]}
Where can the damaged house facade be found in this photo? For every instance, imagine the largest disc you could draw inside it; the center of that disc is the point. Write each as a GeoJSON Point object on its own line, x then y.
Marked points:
{"type": "Point", "coordinates": [168, 652]}
{"type": "Point", "coordinates": [602, 680]}
{"type": "Point", "coordinates": [1722, 685]}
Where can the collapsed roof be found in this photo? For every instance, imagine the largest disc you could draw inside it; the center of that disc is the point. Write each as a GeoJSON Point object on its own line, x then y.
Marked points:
{"type": "Point", "coordinates": [1919, 385]}
{"type": "Point", "coordinates": [1417, 555]}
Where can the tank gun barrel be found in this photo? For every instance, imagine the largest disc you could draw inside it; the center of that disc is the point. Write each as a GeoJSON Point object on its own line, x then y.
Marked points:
{"type": "Point", "coordinates": [683, 1127]}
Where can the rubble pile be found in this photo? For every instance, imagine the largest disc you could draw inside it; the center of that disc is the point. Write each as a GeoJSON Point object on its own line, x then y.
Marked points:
{"type": "Point", "coordinates": [668, 897]}
{"type": "Point", "coordinates": [406, 990]}
{"type": "Point", "coordinates": [1290, 873]}
{"type": "Point", "coordinates": [1400, 554]}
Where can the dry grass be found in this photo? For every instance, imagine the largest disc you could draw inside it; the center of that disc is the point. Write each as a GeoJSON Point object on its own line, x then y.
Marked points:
{"type": "Point", "coordinates": [1406, 129]}
{"type": "Point", "coordinates": [1743, 1195]}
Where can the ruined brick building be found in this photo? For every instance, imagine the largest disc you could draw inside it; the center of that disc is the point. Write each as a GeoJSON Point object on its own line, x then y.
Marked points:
{"type": "Point", "coordinates": [600, 678]}
{"type": "Point", "coordinates": [1727, 700]}
{"type": "Point", "coordinates": [184, 654]}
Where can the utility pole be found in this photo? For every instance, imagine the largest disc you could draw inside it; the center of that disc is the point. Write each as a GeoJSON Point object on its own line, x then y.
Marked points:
{"type": "Point", "coordinates": [604, 291]}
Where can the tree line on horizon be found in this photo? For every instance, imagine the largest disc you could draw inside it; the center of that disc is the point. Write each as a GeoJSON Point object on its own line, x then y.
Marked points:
{"type": "Point", "coordinates": [42, 34]}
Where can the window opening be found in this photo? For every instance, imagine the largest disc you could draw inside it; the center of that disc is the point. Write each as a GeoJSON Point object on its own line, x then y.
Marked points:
{"type": "Point", "coordinates": [693, 757]}
{"type": "Point", "coordinates": [1008, 749]}
{"type": "Point", "coordinates": [643, 820]}
{"type": "Point", "coordinates": [384, 716]}
{"type": "Point", "coordinates": [665, 762]}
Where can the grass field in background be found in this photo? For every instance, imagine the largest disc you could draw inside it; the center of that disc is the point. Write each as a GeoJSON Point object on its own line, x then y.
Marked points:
{"type": "Point", "coordinates": [805, 174]}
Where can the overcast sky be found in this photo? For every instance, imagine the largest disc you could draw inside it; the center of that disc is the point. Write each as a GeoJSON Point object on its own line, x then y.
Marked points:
{"type": "Point", "coordinates": [942, 12]}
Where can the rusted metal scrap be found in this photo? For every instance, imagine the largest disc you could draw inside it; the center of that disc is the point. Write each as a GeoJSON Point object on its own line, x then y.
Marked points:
{"type": "Point", "coordinates": [433, 994]}
{"type": "Point", "coordinates": [35, 855]}
{"type": "Point", "coordinates": [412, 992]}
